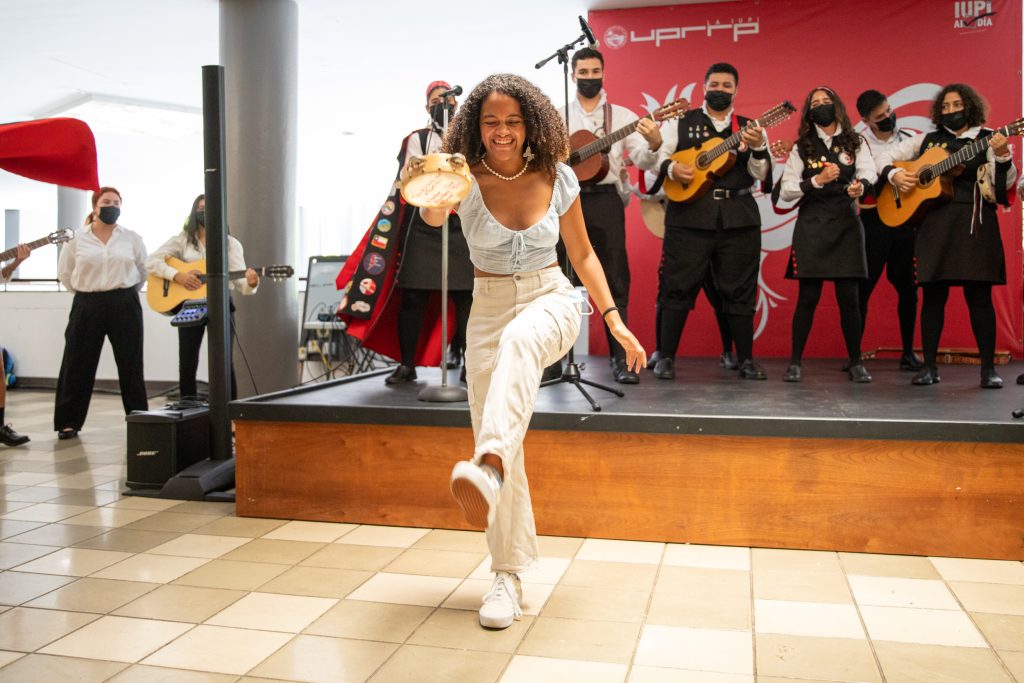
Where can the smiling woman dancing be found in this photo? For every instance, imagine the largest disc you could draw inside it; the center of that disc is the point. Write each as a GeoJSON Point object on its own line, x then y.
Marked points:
{"type": "Point", "coordinates": [524, 314]}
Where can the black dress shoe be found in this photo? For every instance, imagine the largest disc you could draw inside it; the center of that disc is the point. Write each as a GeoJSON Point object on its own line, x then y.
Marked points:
{"type": "Point", "coordinates": [664, 369]}
{"type": "Point", "coordinates": [926, 376]}
{"type": "Point", "coordinates": [792, 373]}
{"type": "Point", "coordinates": [845, 367]}
{"type": "Point", "coordinates": [728, 361]}
{"type": "Point", "coordinates": [990, 380]}
{"type": "Point", "coordinates": [401, 375]}
{"type": "Point", "coordinates": [910, 362]}
{"type": "Point", "coordinates": [750, 369]}
{"type": "Point", "coordinates": [454, 358]}
{"type": "Point", "coordinates": [858, 373]}
{"type": "Point", "coordinates": [9, 437]}
{"type": "Point", "coordinates": [67, 433]}
{"type": "Point", "coordinates": [1020, 379]}
{"type": "Point", "coordinates": [462, 375]}
{"type": "Point", "coordinates": [552, 372]}
{"type": "Point", "coordinates": [624, 375]}
{"type": "Point", "coordinates": [652, 360]}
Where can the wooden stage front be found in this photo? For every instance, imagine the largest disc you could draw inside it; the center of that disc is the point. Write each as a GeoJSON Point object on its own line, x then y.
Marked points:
{"type": "Point", "coordinates": [825, 464]}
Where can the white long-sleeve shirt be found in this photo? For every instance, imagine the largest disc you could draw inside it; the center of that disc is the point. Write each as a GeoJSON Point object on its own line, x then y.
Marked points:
{"type": "Point", "coordinates": [180, 248]}
{"type": "Point", "coordinates": [758, 168]}
{"type": "Point", "coordinates": [792, 175]}
{"type": "Point", "coordinates": [634, 144]}
{"type": "Point", "coordinates": [86, 264]}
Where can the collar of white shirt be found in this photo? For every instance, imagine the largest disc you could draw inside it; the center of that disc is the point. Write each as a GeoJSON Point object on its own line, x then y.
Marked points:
{"type": "Point", "coordinates": [825, 137]}
{"type": "Point", "coordinates": [970, 133]}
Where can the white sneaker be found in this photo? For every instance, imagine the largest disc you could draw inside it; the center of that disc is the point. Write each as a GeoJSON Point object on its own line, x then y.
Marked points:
{"type": "Point", "coordinates": [501, 603]}
{"type": "Point", "coordinates": [476, 492]}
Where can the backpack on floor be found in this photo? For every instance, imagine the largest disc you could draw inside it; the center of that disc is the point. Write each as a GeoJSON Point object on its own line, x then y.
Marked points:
{"type": "Point", "coordinates": [9, 377]}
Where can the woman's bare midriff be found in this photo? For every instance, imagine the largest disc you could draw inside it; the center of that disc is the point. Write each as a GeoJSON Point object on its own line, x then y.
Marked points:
{"type": "Point", "coordinates": [483, 273]}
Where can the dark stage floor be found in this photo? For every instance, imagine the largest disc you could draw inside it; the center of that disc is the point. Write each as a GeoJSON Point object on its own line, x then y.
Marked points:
{"type": "Point", "coordinates": [703, 399]}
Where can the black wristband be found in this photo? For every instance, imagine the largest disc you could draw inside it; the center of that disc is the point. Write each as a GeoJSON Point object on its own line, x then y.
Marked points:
{"type": "Point", "coordinates": [760, 153]}
{"type": "Point", "coordinates": [604, 315]}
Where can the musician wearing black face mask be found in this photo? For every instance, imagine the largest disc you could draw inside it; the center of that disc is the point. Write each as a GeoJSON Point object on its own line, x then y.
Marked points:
{"type": "Point", "coordinates": [419, 272]}
{"type": "Point", "coordinates": [604, 198]}
{"type": "Point", "coordinates": [720, 231]}
{"type": "Point", "coordinates": [958, 242]}
{"type": "Point", "coordinates": [887, 249]}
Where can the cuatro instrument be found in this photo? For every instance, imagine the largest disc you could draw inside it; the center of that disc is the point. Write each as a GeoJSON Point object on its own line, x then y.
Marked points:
{"type": "Point", "coordinates": [436, 180]}
{"type": "Point", "coordinates": [55, 237]}
{"type": "Point", "coordinates": [165, 296]}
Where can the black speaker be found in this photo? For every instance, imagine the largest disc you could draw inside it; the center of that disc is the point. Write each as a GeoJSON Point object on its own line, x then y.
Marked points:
{"type": "Point", "coordinates": [161, 443]}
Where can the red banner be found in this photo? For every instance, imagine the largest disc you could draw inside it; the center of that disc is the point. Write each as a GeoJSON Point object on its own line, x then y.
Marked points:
{"type": "Point", "coordinates": [782, 49]}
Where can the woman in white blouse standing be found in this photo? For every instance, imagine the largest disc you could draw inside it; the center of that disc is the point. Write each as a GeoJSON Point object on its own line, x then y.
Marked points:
{"type": "Point", "coordinates": [104, 265]}
{"type": "Point", "coordinates": [189, 245]}
{"type": "Point", "coordinates": [524, 314]}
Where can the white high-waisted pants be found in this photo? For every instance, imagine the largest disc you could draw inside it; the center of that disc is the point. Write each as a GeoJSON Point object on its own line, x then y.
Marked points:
{"type": "Point", "coordinates": [519, 325]}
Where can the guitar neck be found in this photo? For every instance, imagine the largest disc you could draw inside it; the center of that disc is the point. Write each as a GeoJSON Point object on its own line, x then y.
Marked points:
{"type": "Point", "coordinates": [234, 274]}
{"type": "Point", "coordinates": [601, 144]}
{"type": "Point", "coordinates": [773, 116]}
{"type": "Point", "coordinates": [11, 253]}
{"type": "Point", "coordinates": [965, 153]}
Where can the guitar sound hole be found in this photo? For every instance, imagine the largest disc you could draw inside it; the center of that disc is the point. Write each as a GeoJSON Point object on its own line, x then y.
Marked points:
{"type": "Point", "coordinates": [924, 177]}
{"type": "Point", "coordinates": [702, 160]}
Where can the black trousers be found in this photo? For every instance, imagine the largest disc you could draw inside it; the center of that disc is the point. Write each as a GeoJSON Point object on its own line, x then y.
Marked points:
{"type": "Point", "coordinates": [412, 314]}
{"type": "Point", "coordinates": [114, 315]}
{"type": "Point", "coordinates": [978, 297]}
{"type": "Point", "coordinates": [190, 340]}
{"type": "Point", "coordinates": [891, 250]}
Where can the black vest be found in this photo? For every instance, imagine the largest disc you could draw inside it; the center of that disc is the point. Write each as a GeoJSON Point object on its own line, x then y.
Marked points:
{"type": "Point", "coordinates": [963, 184]}
{"type": "Point", "coordinates": [832, 199]}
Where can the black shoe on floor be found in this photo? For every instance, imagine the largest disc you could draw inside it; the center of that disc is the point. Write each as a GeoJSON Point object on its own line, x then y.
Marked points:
{"type": "Point", "coordinates": [462, 375]}
{"type": "Point", "coordinates": [751, 369]}
{"type": "Point", "coordinates": [926, 376]}
{"type": "Point", "coordinates": [454, 358]}
{"type": "Point", "coordinates": [624, 375]}
{"type": "Point", "coordinates": [845, 367]}
{"type": "Point", "coordinates": [67, 433]}
{"type": "Point", "coordinates": [664, 369]}
{"type": "Point", "coordinates": [728, 361]}
{"type": "Point", "coordinates": [990, 380]}
{"type": "Point", "coordinates": [858, 373]}
{"type": "Point", "coordinates": [9, 437]}
{"type": "Point", "coordinates": [911, 362]}
{"type": "Point", "coordinates": [1020, 379]}
{"type": "Point", "coordinates": [401, 375]}
{"type": "Point", "coordinates": [652, 360]}
{"type": "Point", "coordinates": [552, 372]}
{"type": "Point", "coordinates": [792, 373]}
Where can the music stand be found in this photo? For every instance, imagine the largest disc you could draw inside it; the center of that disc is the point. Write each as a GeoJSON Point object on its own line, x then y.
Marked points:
{"type": "Point", "coordinates": [572, 371]}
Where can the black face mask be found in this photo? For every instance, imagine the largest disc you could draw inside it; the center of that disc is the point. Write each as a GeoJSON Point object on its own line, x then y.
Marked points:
{"type": "Point", "coordinates": [589, 87]}
{"type": "Point", "coordinates": [110, 214]}
{"type": "Point", "coordinates": [201, 218]}
{"type": "Point", "coordinates": [824, 114]}
{"type": "Point", "coordinates": [719, 100]}
{"type": "Point", "coordinates": [437, 113]}
{"type": "Point", "coordinates": [954, 121]}
{"type": "Point", "coordinates": [888, 124]}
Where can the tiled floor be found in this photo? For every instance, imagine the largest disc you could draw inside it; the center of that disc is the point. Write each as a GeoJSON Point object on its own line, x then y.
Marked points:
{"type": "Point", "coordinates": [97, 587]}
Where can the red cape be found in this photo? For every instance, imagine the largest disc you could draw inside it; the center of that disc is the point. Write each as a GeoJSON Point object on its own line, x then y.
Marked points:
{"type": "Point", "coordinates": [59, 151]}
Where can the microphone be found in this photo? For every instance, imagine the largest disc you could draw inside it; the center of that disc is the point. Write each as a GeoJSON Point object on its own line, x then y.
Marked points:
{"type": "Point", "coordinates": [588, 33]}
{"type": "Point", "coordinates": [455, 92]}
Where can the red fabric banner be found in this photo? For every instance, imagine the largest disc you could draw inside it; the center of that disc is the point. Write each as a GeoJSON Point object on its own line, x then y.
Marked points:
{"type": "Point", "coordinates": [61, 151]}
{"type": "Point", "coordinates": [782, 49]}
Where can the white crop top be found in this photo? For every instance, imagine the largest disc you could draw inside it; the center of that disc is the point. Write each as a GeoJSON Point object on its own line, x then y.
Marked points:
{"type": "Point", "coordinates": [496, 249]}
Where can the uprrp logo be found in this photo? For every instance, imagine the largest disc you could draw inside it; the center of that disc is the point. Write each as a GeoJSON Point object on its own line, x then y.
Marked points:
{"type": "Point", "coordinates": [615, 37]}
{"type": "Point", "coordinates": [973, 14]}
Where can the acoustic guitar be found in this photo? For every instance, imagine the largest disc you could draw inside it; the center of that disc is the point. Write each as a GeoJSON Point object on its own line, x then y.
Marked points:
{"type": "Point", "coordinates": [714, 157]}
{"type": "Point", "coordinates": [935, 170]}
{"type": "Point", "coordinates": [55, 237]}
{"type": "Point", "coordinates": [165, 296]}
{"type": "Point", "coordinates": [589, 157]}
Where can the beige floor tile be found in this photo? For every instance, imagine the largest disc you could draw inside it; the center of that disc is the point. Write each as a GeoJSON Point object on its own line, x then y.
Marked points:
{"type": "Point", "coordinates": [369, 621]}
{"type": "Point", "coordinates": [150, 568]}
{"type": "Point", "coordinates": [461, 630]}
{"type": "Point", "coordinates": [700, 581]}
{"type": "Point", "coordinates": [904, 566]}
{"type": "Point", "coordinates": [155, 674]}
{"type": "Point", "coordinates": [802, 657]}
{"type": "Point", "coordinates": [219, 650]}
{"type": "Point", "coordinates": [457, 541]}
{"type": "Point", "coordinates": [128, 540]}
{"type": "Point", "coordinates": [46, 512]}
{"type": "Point", "coordinates": [388, 536]}
{"type": "Point", "coordinates": [181, 603]}
{"type": "Point", "coordinates": [570, 602]}
{"type": "Point", "coordinates": [696, 649]}
{"type": "Point", "coordinates": [995, 598]}
{"type": "Point", "coordinates": [246, 576]}
{"type": "Point", "coordinates": [85, 480]}
{"type": "Point", "coordinates": [58, 534]}
{"type": "Point", "coordinates": [19, 587]}
{"type": "Point", "coordinates": [312, 532]}
{"type": "Point", "coordinates": [907, 663]}
{"type": "Point", "coordinates": [117, 639]}
{"type": "Point", "coordinates": [886, 591]}
{"type": "Point", "coordinates": [979, 571]}
{"type": "Point", "coordinates": [707, 556]}
{"type": "Point", "coordinates": [247, 527]}
{"type": "Point", "coordinates": [198, 545]}
{"type": "Point", "coordinates": [1014, 662]}
{"type": "Point", "coordinates": [587, 640]}
{"type": "Point", "coordinates": [921, 626]}
{"type": "Point", "coordinates": [457, 565]}
{"type": "Point", "coordinates": [12, 506]}
{"type": "Point", "coordinates": [409, 663]}
{"type": "Point", "coordinates": [25, 479]}
{"type": "Point", "coordinates": [327, 660]}
{"type": "Point", "coordinates": [618, 575]}
{"type": "Point", "coordinates": [109, 517]}
{"type": "Point", "coordinates": [526, 669]}
{"type": "Point", "coordinates": [91, 497]}
{"type": "Point", "coordinates": [1004, 631]}
{"type": "Point", "coordinates": [654, 674]}
{"type": "Point", "coordinates": [794, 560]}
{"type": "Point", "coordinates": [559, 546]}
{"type": "Point", "coordinates": [8, 657]}
{"type": "Point", "coordinates": [10, 527]}
{"type": "Point", "coordinates": [273, 612]}
{"type": "Point", "coordinates": [25, 629]}
{"type": "Point", "coordinates": [73, 562]}
{"type": "Point", "coordinates": [39, 668]}
{"type": "Point", "coordinates": [275, 552]}
{"type": "Point", "coordinates": [316, 582]}
{"type": "Point", "coordinates": [825, 620]}
{"type": "Point", "coordinates": [93, 595]}
{"type": "Point", "coordinates": [140, 503]}
{"type": "Point", "coordinates": [634, 552]}
{"type": "Point", "coordinates": [199, 507]}
{"type": "Point", "coordinates": [700, 610]}
{"type": "Point", "coordinates": [406, 589]}
{"type": "Point", "coordinates": [469, 594]}
{"type": "Point", "coordinates": [802, 586]}
{"type": "Point", "coordinates": [549, 570]}
{"type": "Point", "coordinates": [362, 557]}
{"type": "Point", "coordinates": [168, 521]}
{"type": "Point", "coordinates": [33, 494]}
{"type": "Point", "coordinates": [13, 554]}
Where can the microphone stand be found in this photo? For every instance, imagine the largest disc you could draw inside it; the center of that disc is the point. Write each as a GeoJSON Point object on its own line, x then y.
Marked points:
{"type": "Point", "coordinates": [572, 372]}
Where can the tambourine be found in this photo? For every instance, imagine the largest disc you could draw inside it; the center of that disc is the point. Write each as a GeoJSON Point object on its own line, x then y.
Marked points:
{"type": "Point", "coordinates": [436, 180]}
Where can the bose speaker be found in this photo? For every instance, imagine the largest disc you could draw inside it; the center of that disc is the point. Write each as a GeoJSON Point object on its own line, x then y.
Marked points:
{"type": "Point", "coordinates": [161, 443]}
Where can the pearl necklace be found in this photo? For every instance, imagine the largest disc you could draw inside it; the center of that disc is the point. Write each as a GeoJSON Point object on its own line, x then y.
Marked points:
{"type": "Point", "coordinates": [505, 177]}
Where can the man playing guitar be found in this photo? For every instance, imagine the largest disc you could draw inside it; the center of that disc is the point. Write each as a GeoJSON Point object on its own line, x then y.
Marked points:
{"type": "Point", "coordinates": [721, 229]}
{"type": "Point", "coordinates": [603, 197]}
